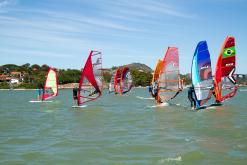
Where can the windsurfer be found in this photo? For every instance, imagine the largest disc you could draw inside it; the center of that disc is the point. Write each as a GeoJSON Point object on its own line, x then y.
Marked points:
{"type": "Point", "coordinates": [150, 90]}
{"type": "Point", "coordinates": [155, 89]}
{"type": "Point", "coordinates": [191, 93]}
{"type": "Point", "coordinates": [75, 94]}
{"type": "Point", "coordinates": [40, 91]}
{"type": "Point", "coordinates": [213, 92]}
{"type": "Point", "coordinates": [39, 94]}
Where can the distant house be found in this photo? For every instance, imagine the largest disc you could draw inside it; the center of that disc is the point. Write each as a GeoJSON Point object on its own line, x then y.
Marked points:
{"type": "Point", "coordinates": [16, 74]}
{"type": "Point", "coordinates": [14, 81]}
{"type": "Point", "coordinates": [4, 78]}
{"type": "Point", "coordinates": [19, 75]}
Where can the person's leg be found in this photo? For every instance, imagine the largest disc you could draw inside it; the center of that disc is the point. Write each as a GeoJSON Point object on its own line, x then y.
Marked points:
{"type": "Point", "coordinates": [191, 101]}
{"type": "Point", "coordinates": [194, 103]}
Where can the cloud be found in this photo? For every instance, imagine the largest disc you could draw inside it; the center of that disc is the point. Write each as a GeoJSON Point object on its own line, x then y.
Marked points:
{"type": "Point", "coordinates": [142, 9]}
{"type": "Point", "coordinates": [119, 28]}
{"type": "Point", "coordinates": [5, 3]}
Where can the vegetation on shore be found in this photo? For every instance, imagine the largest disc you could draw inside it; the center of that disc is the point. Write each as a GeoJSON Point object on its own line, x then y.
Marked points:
{"type": "Point", "coordinates": [32, 76]}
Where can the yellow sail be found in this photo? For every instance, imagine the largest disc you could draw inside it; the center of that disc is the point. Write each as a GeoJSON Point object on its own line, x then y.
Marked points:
{"type": "Point", "coordinates": [51, 85]}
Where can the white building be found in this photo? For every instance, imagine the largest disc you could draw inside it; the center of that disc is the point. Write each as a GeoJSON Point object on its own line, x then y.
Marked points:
{"type": "Point", "coordinates": [14, 81]}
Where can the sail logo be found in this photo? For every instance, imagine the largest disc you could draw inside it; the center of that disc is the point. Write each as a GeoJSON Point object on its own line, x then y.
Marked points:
{"type": "Point", "coordinates": [175, 65]}
{"type": "Point", "coordinates": [204, 67]}
{"type": "Point", "coordinates": [229, 52]}
{"type": "Point", "coordinates": [230, 64]}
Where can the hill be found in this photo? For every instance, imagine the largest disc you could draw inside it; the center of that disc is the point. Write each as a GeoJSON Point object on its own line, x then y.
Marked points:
{"type": "Point", "coordinates": [140, 67]}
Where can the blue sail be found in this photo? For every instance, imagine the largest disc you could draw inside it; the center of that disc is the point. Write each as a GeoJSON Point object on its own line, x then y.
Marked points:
{"type": "Point", "coordinates": [201, 74]}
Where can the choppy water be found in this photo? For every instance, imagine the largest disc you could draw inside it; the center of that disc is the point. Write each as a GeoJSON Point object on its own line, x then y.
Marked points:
{"type": "Point", "coordinates": [119, 130]}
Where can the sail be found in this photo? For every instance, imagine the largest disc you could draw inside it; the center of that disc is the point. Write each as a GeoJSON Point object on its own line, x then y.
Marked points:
{"type": "Point", "coordinates": [225, 84]}
{"type": "Point", "coordinates": [157, 71]}
{"type": "Point", "coordinates": [91, 81]}
{"type": "Point", "coordinates": [117, 81]}
{"type": "Point", "coordinates": [201, 74]}
{"type": "Point", "coordinates": [111, 84]}
{"type": "Point", "coordinates": [126, 80]}
{"type": "Point", "coordinates": [169, 78]}
{"type": "Point", "coordinates": [154, 83]}
{"type": "Point", "coordinates": [51, 85]}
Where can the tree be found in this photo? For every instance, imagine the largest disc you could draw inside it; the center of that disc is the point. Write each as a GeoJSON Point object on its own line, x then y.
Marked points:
{"type": "Point", "coordinates": [27, 65]}
{"type": "Point", "coordinates": [44, 67]}
{"type": "Point", "coordinates": [107, 76]}
{"type": "Point", "coordinates": [35, 67]}
{"type": "Point", "coordinates": [69, 76]}
{"type": "Point", "coordinates": [141, 78]}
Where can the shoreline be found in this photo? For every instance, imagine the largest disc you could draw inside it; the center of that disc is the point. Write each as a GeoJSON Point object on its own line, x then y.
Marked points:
{"type": "Point", "coordinates": [71, 86]}
{"type": "Point", "coordinates": [24, 89]}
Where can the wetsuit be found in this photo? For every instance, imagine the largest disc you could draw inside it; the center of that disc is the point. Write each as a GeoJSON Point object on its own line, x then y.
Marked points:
{"type": "Point", "coordinates": [75, 91]}
{"type": "Point", "coordinates": [191, 93]}
{"type": "Point", "coordinates": [150, 90]}
{"type": "Point", "coordinates": [155, 89]}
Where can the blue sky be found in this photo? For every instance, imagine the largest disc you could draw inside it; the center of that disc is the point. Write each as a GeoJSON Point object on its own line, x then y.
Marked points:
{"type": "Point", "coordinates": [61, 33]}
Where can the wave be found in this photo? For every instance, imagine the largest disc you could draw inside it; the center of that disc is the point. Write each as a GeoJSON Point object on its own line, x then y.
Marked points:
{"type": "Point", "coordinates": [176, 159]}
{"type": "Point", "coordinates": [145, 98]}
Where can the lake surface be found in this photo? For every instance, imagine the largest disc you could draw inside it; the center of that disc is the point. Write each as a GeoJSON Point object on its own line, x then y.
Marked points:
{"type": "Point", "coordinates": [120, 130]}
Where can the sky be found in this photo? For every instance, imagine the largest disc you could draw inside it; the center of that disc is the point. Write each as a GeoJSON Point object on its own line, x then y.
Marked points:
{"type": "Point", "coordinates": [61, 33]}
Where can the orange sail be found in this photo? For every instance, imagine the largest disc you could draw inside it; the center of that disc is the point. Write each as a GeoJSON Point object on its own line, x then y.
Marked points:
{"type": "Point", "coordinates": [157, 70]}
{"type": "Point", "coordinates": [154, 83]}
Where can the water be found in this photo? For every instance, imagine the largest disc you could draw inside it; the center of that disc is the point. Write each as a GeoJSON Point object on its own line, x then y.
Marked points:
{"type": "Point", "coordinates": [120, 130]}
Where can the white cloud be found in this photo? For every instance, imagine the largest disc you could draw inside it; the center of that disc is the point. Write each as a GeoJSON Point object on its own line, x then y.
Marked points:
{"type": "Point", "coordinates": [142, 9]}
{"type": "Point", "coordinates": [6, 3]}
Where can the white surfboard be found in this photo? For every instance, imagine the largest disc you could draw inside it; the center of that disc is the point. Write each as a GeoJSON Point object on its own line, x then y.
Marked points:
{"type": "Point", "coordinates": [37, 101]}
{"type": "Point", "coordinates": [145, 98]}
{"type": "Point", "coordinates": [165, 104]}
{"type": "Point", "coordinates": [79, 106]}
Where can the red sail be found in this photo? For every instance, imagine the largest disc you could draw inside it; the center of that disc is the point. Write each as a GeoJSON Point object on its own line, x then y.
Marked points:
{"type": "Point", "coordinates": [117, 81]}
{"type": "Point", "coordinates": [91, 84]}
{"type": "Point", "coordinates": [126, 80]}
{"type": "Point", "coordinates": [225, 83]}
{"type": "Point", "coordinates": [122, 80]}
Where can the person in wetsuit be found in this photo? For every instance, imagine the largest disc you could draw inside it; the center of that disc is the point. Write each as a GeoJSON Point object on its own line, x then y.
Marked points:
{"type": "Point", "coordinates": [75, 94]}
{"type": "Point", "coordinates": [150, 90]}
{"type": "Point", "coordinates": [191, 94]}
{"type": "Point", "coordinates": [40, 91]}
{"type": "Point", "coordinates": [213, 92]}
